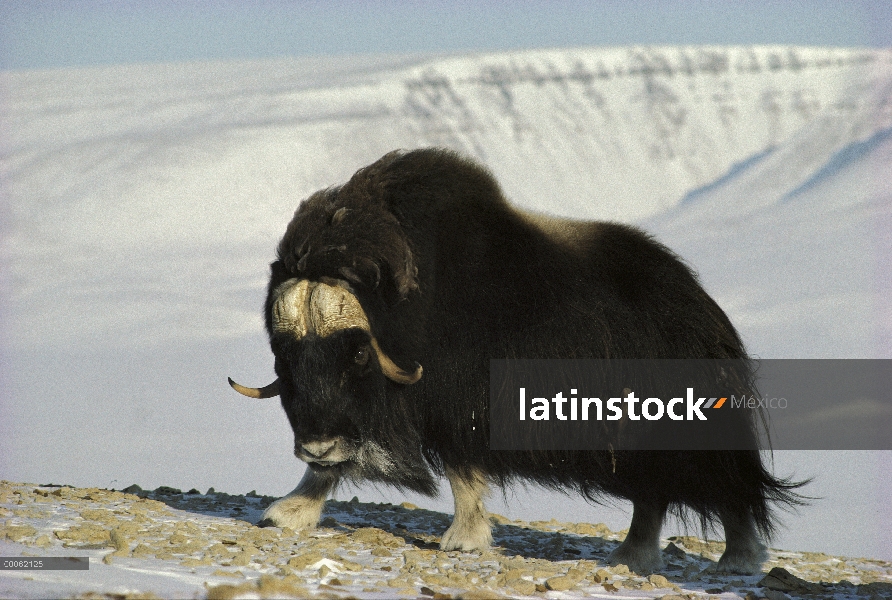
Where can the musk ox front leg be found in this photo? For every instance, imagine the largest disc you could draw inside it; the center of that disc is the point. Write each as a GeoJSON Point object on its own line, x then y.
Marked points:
{"type": "Point", "coordinates": [301, 508]}
{"type": "Point", "coordinates": [640, 551]}
{"type": "Point", "coordinates": [470, 529]}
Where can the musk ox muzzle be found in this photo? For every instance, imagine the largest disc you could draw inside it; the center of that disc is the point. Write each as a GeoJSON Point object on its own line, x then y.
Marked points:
{"type": "Point", "coordinates": [304, 307]}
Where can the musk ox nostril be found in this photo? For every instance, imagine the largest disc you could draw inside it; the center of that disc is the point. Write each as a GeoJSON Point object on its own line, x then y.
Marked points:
{"type": "Point", "coordinates": [318, 450]}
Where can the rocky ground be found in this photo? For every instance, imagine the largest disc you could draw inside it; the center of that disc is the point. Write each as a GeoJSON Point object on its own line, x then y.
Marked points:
{"type": "Point", "coordinates": [167, 543]}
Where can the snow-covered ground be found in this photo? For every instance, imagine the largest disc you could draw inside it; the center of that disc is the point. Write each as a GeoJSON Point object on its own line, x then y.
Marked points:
{"type": "Point", "coordinates": [186, 545]}
{"type": "Point", "coordinates": [142, 205]}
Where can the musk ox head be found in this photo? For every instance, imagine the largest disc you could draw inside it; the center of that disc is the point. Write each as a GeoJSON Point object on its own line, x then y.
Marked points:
{"type": "Point", "coordinates": [331, 371]}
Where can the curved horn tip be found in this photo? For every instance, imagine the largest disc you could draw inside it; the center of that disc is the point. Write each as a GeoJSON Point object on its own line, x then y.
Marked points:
{"type": "Point", "coordinates": [392, 370]}
{"type": "Point", "coordinates": [415, 375]}
{"type": "Point", "coordinates": [269, 391]}
{"type": "Point", "coordinates": [398, 375]}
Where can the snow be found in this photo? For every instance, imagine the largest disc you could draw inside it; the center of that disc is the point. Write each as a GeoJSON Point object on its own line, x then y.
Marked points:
{"type": "Point", "coordinates": [142, 205]}
{"type": "Point", "coordinates": [189, 545]}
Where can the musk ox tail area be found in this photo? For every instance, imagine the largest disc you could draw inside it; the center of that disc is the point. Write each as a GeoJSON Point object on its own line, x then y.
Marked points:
{"type": "Point", "coordinates": [699, 488]}
{"type": "Point", "coordinates": [771, 492]}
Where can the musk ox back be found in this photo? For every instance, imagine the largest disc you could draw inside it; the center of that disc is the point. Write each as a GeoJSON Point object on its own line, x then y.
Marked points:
{"type": "Point", "coordinates": [390, 295]}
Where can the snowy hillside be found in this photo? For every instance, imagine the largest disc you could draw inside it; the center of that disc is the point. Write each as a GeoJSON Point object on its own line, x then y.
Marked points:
{"type": "Point", "coordinates": [142, 205]}
{"type": "Point", "coordinates": [133, 159]}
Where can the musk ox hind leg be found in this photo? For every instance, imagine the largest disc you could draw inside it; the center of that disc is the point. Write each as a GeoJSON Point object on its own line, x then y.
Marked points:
{"type": "Point", "coordinates": [640, 551]}
{"type": "Point", "coordinates": [744, 550]}
{"type": "Point", "coordinates": [470, 529]}
{"type": "Point", "coordinates": [301, 508]}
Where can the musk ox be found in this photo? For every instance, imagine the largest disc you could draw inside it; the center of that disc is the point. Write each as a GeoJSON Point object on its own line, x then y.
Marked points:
{"type": "Point", "coordinates": [391, 293]}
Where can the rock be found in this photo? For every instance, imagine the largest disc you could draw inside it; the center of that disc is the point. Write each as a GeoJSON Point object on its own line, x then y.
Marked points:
{"type": "Point", "coordinates": [673, 551]}
{"type": "Point", "coordinates": [350, 565]}
{"type": "Point", "coordinates": [781, 580]}
{"type": "Point", "coordinates": [142, 551]}
{"type": "Point", "coordinates": [499, 519]}
{"type": "Point", "coordinates": [522, 586]}
{"type": "Point", "coordinates": [601, 576]}
{"type": "Point", "coordinates": [587, 529]}
{"type": "Point", "coordinates": [697, 545]}
{"type": "Point", "coordinates": [400, 583]}
{"type": "Point", "coordinates": [222, 573]}
{"type": "Point", "coordinates": [620, 570]}
{"type": "Point", "coordinates": [303, 561]}
{"type": "Point", "coordinates": [435, 579]}
{"type": "Point", "coordinates": [660, 582]}
{"type": "Point", "coordinates": [561, 583]}
{"type": "Point", "coordinates": [775, 595]}
{"type": "Point", "coordinates": [691, 572]}
{"type": "Point", "coordinates": [266, 586]}
{"type": "Point", "coordinates": [242, 559]}
{"type": "Point", "coordinates": [17, 533]}
{"type": "Point", "coordinates": [373, 535]}
{"type": "Point", "coordinates": [120, 540]}
{"type": "Point", "coordinates": [86, 534]}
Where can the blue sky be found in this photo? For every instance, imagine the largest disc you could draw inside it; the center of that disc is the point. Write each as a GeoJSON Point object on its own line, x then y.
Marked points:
{"type": "Point", "coordinates": [41, 34]}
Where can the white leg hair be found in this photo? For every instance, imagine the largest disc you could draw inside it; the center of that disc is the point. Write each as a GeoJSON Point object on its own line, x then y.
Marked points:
{"type": "Point", "coordinates": [470, 529]}
{"type": "Point", "coordinates": [640, 551]}
{"type": "Point", "coordinates": [301, 508]}
{"type": "Point", "coordinates": [744, 550]}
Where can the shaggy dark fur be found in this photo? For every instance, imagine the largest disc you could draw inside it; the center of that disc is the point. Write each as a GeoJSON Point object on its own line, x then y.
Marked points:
{"type": "Point", "coordinates": [451, 276]}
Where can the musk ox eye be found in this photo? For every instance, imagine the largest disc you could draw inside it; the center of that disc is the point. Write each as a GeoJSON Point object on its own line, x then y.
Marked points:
{"type": "Point", "coordinates": [361, 357]}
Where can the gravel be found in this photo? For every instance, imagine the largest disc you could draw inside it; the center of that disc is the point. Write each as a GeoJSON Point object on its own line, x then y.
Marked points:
{"type": "Point", "coordinates": [207, 546]}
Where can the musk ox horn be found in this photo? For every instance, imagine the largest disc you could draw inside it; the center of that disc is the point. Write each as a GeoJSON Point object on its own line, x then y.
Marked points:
{"type": "Point", "coordinates": [269, 391]}
{"type": "Point", "coordinates": [304, 307]}
{"type": "Point", "coordinates": [392, 371]}
{"type": "Point", "coordinates": [290, 308]}
{"type": "Point", "coordinates": [333, 308]}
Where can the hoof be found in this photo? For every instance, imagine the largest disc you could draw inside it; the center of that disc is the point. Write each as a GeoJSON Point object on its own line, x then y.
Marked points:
{"type": "Point", "coordinates": [641, 560]}
{"type": "Point", "coordinates": [467, 537]}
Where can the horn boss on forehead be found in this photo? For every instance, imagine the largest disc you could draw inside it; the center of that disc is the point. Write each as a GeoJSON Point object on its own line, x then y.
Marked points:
{"type": "Point", "coordinates": [303, 307]}
{"type": "Point", "coordinates": [289, 310]}
{"type": "Point", "coordinates": [332, 308]}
